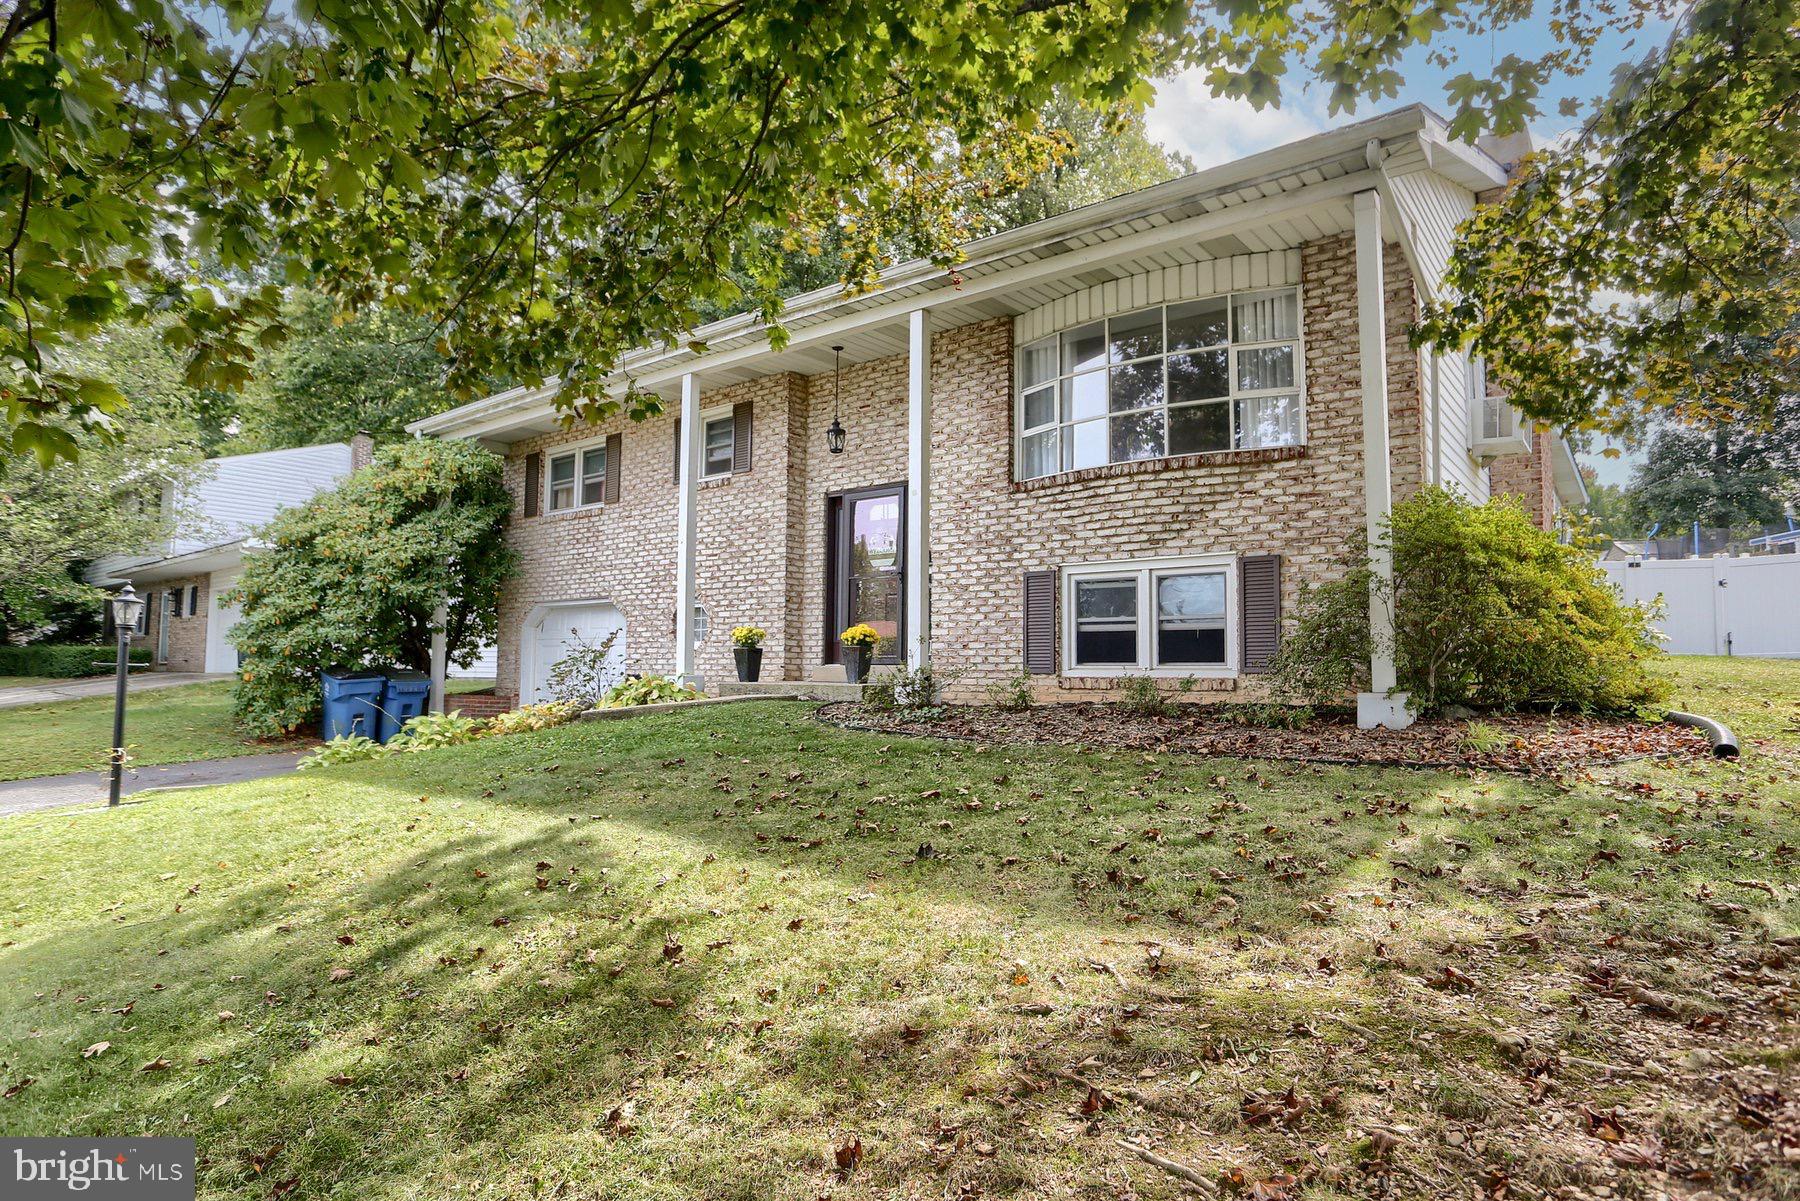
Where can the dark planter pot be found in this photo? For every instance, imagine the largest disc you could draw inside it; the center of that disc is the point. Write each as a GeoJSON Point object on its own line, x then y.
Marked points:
{"type": "Point", "coordinates": [856, 664]}
{"type": "Point", "coordinates": [749, 663]}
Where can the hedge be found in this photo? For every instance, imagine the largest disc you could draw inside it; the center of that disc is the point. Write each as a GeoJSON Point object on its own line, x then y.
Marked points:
{"type": "Point", "coordinates": [62, 661]}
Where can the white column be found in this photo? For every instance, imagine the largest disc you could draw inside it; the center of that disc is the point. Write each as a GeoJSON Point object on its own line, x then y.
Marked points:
{"type": "Point", "coordinates": [918, 489]}
{"type": "Point", "coordinates": [1380, 706]}
{"type": "Point", "coordinates": [440, 622]}
{"type": "Point", "coordinates": [687, 528]}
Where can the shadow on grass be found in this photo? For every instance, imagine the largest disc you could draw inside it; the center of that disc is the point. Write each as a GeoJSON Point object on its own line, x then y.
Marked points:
{"type": "Point", "coordinates": [513, 1015]}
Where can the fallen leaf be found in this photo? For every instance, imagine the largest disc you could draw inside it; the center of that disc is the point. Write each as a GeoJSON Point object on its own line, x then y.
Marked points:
{"type": "Point", "coordinates": [847, 1157]}
{"type": "Point", "coordinates": [96, 1049]}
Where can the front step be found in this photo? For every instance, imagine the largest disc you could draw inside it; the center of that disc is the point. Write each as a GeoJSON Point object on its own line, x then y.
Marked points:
{"type": "Point", "coordinates": [808, 690]}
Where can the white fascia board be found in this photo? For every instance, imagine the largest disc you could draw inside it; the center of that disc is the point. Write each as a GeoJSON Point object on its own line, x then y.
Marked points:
{"type": "Point", "coordinates": [1565, 472]}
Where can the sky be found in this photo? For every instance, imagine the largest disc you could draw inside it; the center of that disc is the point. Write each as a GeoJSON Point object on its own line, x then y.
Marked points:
{"type": "Point", "coordinates": [1186, 116]}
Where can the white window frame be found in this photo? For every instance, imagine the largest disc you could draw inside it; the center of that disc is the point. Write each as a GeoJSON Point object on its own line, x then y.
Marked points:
{"type": "Point", "coordinates": [708, 417]}
{"type": "Point", "coordinates": [1481, 443]}
{"type": "Point", "coordinates": [1147, 572]}
{"type": "Point", "coordinates": [1230, 399]}
{"type": "Point", "coordinates": [578, 451]}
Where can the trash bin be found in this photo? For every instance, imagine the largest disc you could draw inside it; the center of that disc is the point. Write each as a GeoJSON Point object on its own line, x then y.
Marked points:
{"type": "Point", "coordinates": [405, 697]}
{"type": "Point", "coordinates": [352, 700]}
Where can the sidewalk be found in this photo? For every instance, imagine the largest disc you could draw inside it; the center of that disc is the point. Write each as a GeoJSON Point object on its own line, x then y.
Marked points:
{"type": "Point", "coordinates": [89, 787]}
{"type": "Point", "coordinates": [74, 690]}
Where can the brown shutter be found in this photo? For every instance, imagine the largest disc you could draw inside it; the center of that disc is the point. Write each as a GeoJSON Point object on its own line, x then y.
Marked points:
{"type": "Point", "coordinates": [534, 482]}
{"type": "Point", "coordinates": [740, 437]}
{"type": "Point", "coordinates": [1259, 579]}
{"type": "Point", "coordinates": [615, 453]}
{"type": "Point", "coordinates": [1040, 623]}
{"type": "Point", "coordinates": [676, 476]}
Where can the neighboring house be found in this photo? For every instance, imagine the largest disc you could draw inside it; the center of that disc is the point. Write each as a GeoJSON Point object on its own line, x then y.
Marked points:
{"type": "Point", "coordinates": [1114, 442]}
{"type": "Point", "coordinates": [214, 518]}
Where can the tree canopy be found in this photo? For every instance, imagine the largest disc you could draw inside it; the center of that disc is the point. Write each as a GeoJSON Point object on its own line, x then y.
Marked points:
{"type": "Point", "coordinates": [550, 184]}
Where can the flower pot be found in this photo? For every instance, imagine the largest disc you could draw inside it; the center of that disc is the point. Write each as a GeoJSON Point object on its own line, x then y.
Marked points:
{"type": "Point", "coordinates": [749, 663]}
{"type": "Point", "coordinates": [856, 664]}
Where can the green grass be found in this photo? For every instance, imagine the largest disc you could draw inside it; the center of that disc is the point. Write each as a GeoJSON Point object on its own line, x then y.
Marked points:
{"type": "Point", "coordinates": [165, 725]}
{"type": "Point", "coordinates": [30, 681]}
{"type": "Point", "coordinates": [1182, 932]}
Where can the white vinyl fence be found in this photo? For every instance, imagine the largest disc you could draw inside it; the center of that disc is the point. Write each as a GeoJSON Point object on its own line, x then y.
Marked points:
{"type": "Point", "coordinates": [1720, 606]}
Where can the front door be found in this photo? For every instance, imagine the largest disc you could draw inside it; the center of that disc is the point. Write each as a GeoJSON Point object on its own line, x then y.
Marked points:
{"type": "Point", "coordinates": [868, 568]}
{"type": "Point", "coordinates": [162, 626]}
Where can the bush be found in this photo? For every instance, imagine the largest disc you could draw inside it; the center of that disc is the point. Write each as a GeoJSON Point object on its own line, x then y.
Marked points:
{"type": "Point", "coordinates": [1012, 694]}
{"type": "Point", "coordinates": [648, 690]}
{"type": "Point", "coordinates": [1490, 612]}
{"type": "Point", "coordinates": [346, 748]}
{"type": "Point", "coordinates": [913, 689]}
{"type": "Point", "coordinates": [1267, 717]}
{"type": "Point", "coordinates": [429, 731]}
{"type": "Point", "coordinates": [579, 677]}
{"type": "Point", "coordinates": [351, 577]}
{"type": "Point", "coordinates": [64, 662]}
{"type": "Point", "coordinates": [534, 717]}
{"type": "Point", "coordinates": [1143, 696]}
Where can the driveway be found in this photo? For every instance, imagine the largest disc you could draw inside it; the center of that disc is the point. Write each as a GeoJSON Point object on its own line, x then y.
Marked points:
{"type": "Point", "coordinates": [89, 787]}
{"type": "Point", "coordinates": [74, 690]}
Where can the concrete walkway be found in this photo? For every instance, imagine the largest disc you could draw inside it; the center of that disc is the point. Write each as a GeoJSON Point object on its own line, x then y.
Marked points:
{"type": "Point", "coordinates": [74, 690]}
{"type": "Point", "coordinates": [89, 787]}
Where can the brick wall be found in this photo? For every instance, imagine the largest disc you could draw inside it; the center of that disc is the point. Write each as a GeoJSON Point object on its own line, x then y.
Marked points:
{"type": "Point", "coordinates": [187, 635]}
{"type": "Point", "coordinates": [1528, 477]}
{"type": "Point", "coordinates": [762, 557]}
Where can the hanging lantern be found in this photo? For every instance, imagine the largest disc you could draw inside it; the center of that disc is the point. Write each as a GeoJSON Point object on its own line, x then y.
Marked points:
{"type": "Point", "coordinates": [834, 433]}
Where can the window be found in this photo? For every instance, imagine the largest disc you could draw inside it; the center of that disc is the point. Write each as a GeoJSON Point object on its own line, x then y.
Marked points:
{"type": "Point", "coordinates": [1157, 616]}
{"type": "Point", "coordinates": [1221, 373]}
{"type": "Point", "coordinates": [143, 621]}
{"type": "Point", "coordinates": [578, 478]}
{"type": "Point", "coordinates": [1496, 425]}
{"type": "Point", "coordinates": [193, 599]}
{"type": "Point", "coordinates": [718, 446]}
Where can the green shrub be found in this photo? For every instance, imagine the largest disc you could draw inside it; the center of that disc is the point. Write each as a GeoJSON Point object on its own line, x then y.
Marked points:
{"type": "Point", "coordinates": [915, 689]}
{"type": "Point", "coordinates": [429, 731]}
{"type": "Point", "coordinates": [1490, 612]}
{"type": "Point", "coordinates": [1143, 696]}
{"type": "Point", "coordinates": [347, 748]}
{"type": "Point", "coordinates": [579, 677]}
{"type": "Point", "coordinates": [648, 690]}
{"type": "Point", "coordinates": [1012, 694]}
{"type": "Point", "coordinates": [64, 662]}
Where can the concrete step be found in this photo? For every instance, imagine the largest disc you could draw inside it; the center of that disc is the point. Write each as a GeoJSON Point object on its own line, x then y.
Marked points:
{"type": "Point", "coordinates": [812, 690]}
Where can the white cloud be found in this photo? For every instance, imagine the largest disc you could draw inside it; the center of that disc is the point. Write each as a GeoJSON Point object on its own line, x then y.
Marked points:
{"type": "Point", "coordinates": [1186, 116]}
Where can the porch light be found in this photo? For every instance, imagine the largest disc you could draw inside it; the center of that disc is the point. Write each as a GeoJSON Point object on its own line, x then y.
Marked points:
{"type": "Point", "coordinates": [125, 607]}
{"type": "Point", "coordinates": [834, 433]}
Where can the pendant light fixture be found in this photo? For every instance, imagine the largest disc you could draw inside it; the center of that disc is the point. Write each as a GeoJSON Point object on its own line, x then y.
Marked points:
{"type": "Point", "coordinates": [834, 433]}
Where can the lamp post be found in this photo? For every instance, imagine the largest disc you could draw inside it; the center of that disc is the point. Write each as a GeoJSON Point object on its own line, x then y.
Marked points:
{"type": "Point", "coordinates": [125, 609]}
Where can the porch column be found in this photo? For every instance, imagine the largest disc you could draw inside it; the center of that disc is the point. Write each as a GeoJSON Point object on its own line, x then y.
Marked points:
{"type": "Point", "coordinates": [1381, 705]}
{"type": "Point", "coordinates": [687, 528]}
{"type": "Point", "coordinates": [918, 489]}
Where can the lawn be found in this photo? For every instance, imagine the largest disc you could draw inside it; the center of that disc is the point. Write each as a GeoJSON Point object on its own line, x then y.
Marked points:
{"type": "Point", "coordinates": [166, 725]}
{"type": "Point", "coordinates": [733, 953]}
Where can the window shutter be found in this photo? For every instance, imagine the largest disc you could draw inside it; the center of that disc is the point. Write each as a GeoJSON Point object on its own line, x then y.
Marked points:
{"type": "Point", "coordinates": [1040, 623]}
{"type": "Point", "coordinates": [675, 473]}
{"type": "Point", "coordinates": [534, 482]}
{"type": "Point", "coordinates": [1259, 579]}
{"type": "Point", "coordinates": [740, 437]}
{"type": "Point", "coordinates": [615, 453]}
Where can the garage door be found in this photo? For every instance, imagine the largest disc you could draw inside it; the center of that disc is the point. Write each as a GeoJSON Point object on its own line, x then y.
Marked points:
{"type": "Point", "coordinates": [562, 629]}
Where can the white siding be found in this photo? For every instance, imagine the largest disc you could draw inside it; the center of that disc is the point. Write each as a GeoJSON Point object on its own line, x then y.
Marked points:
{"type": "Point", "coordinates": [234, 495]}
{"type": "Point", "coordinates": [1432, 208]}
{"type": "Point", "coordinates": [1164, 285]}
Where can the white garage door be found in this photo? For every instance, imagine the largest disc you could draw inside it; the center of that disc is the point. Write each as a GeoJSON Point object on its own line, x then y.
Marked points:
{"type": "Point", "coordinates": [220, 654]}
{"type": "Point", "coordinates": [562, 629]}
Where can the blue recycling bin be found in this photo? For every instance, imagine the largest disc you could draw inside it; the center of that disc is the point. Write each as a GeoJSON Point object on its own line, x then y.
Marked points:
{"type": "Point", "coordinates": [403, 698]}
{"type": "Point", "coordinates": [352, 702]}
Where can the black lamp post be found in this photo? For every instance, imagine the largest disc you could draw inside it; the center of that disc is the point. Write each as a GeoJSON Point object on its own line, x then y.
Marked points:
{"type": "Point", "coordinates": [126, 607]}
{"type": "Point", "coordinates": [834, 433]}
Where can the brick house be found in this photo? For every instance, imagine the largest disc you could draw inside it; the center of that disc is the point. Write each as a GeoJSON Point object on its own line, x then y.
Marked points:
{"type": "Point", "coordinates": [214, 518]}
{"type": "Point", "coordinates": [1114, 442]}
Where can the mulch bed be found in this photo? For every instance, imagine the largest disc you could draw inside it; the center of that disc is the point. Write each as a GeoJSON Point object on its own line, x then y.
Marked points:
{"type": "Point", "coordinates": [1534, 744]}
